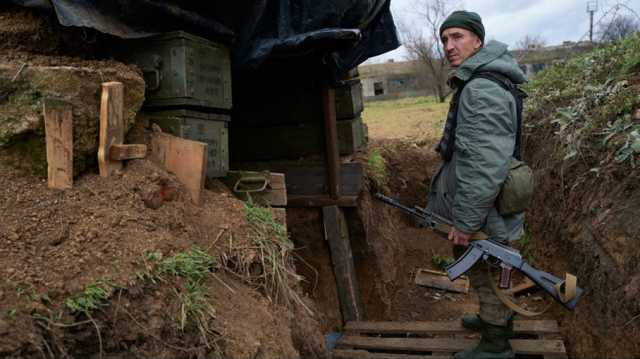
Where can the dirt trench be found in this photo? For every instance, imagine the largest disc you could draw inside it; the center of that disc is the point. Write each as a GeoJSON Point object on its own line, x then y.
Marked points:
{"type": "Point", "coordinates": [387, 247]}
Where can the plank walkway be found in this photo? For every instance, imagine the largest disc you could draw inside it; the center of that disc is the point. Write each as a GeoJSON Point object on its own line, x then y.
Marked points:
{"type": "Point", "coordinates": [534, 339]}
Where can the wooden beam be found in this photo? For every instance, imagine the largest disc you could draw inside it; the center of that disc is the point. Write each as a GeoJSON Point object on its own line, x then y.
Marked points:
{"type": "Point", "coordinates": [331, 141]}
{"type": "Point", "coordinates": [127, 152]}
{"type": "Point", "coordinates": [185, 158]}
{"type": "Point", "coordinates": [58, 126]}
{"type": "Point", "coordinates": [111, 126]}
{"type": "Point", "coordinates": [448, 345]}
{"type": "Point", "coordinates": [321, 201]}
{"type": "Point", "coordinates": [363, 354]}
{"type": "Point", "coordinates": [534, 327]}
{"type": "Point", "coordinates": [337, 235]}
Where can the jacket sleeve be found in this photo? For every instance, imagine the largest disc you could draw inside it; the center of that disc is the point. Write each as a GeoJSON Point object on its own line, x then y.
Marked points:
{"type": "Point", "coordinates": [484, 144]}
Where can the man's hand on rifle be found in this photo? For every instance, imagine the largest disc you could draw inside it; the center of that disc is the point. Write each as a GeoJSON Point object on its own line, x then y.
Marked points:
{"type": "Point", "coordinates": [459, 237]}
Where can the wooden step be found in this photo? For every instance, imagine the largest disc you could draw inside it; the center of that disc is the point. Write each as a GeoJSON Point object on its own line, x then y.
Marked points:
{"type": "Point", "coordinates": [439, 340]}
{"type": "Point", "coordinates": [428, 328]}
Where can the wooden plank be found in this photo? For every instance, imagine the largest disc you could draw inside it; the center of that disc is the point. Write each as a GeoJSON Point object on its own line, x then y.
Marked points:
{"type": "Point", "coordinates": [58, 126]}
{"type": "Point", "coordinates": [363, 354]}
{"type": "Point", "coordinates": [185, 158]}
{"type": "Point", "coordinates": [331, 141]}
{"type": "Point", "coordinates": [448, 345]}
{"type": "Point", "coordinates": [536, 327]}
{"type": "Point", "coordinates": [538, 346]}
{"type": "Point", "coordinates": [111, 126]}
{"type": "Point", "coordinates": [337, 235]}
{"type": "Point", "coordinates": [439, 280]}
{"type": "Point", "coordinates": [127, 152]}
{"type": "Point", "coordinates": [321, 201]}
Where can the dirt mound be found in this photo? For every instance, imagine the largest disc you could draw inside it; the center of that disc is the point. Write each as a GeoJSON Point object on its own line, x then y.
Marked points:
{"type": "Point", "coordinates": [58, 245]}
{"type": "Point", "coordinates": [583, 219]}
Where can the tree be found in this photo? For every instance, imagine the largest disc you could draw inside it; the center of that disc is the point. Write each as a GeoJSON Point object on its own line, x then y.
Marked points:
{"type": "Point", "coordinates": [618, 28]}
{"type": "Point", "coordinates": [423, 44]}
{"type": "Point", "coordinates": [527, 44]}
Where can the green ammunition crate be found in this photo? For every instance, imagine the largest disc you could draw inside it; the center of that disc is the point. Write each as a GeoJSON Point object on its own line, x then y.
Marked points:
{"type": "Point", "coordinates": [183, 70]}
{"type": "Point", "coordinates": [349, 99]}
{"type": "Point", "coordinates": [199, 126]}
{"type": "Point", "coordinates": [295, 141]}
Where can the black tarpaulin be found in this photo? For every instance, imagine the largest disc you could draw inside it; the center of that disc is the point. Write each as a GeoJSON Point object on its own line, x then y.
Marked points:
{"type": "Point", "coordinates": [349, 30]}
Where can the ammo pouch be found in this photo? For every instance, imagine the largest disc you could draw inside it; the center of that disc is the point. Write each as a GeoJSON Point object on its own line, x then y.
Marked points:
{"type": "Point", "coordinates": [517, 190]}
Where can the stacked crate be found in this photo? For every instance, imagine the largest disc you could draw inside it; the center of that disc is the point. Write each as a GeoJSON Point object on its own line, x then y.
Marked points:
{"type": "Point", "coordinates": [188, 81]}
{"type": "Point", "coordinates": [349, 106]}
{"type": "Point", "coordinates": [286, 120]}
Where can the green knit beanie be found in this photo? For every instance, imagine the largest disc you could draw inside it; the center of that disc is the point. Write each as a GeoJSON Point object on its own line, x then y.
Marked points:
{"type": "Point", "coordinates": [464, 19]}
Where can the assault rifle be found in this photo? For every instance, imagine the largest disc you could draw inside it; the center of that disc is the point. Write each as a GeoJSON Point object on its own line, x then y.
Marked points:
{"type": "Point", "coordinates": [481, 247]}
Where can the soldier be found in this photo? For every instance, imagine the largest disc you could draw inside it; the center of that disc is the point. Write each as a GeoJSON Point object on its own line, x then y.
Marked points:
{"type": "Point", "coordinates": [480, 140]}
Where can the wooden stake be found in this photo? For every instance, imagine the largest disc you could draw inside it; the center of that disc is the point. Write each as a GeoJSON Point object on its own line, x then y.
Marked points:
{"type": "Point", "coordinates": [58, 125]}
{"type": "Point", "coordinates": [111, 126]}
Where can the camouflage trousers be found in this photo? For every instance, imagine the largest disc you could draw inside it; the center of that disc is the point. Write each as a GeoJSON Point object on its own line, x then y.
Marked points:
{"type": "Point", "coordinates": [492, 310]}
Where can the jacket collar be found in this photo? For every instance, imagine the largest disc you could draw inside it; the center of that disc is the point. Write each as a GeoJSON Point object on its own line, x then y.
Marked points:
{"type": "Point", "coordinates": [488, 53]}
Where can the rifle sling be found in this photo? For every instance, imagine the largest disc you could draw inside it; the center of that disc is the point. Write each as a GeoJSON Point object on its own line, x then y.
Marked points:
{"type": "Point", "coordinates": [510, 303]}
{"type": "Point", "coordinates": [566, 291]}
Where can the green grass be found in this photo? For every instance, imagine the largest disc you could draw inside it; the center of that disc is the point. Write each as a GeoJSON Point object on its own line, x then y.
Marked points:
{"type": "Point", "coordinates": [588, 102]}
{"type": "Point", "coordinates": [416, 118]}
{"type": "Point", "coordinates": [277, 276]}
{"type": "Point", "coordinates": [94, 296]}
{"type": "Point", "coordinates": [441, 262]}
{"type": "Point", "coordinates": [377, 169]}
{"type": "Point", "coordinates": [195, 266]}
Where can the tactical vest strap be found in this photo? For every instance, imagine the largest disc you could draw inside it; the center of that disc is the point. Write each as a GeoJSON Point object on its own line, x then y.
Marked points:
{"type": "Point", "coordinates": [446, 145]}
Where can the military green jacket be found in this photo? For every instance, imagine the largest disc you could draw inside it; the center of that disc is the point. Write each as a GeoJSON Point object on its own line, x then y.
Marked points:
{"type": "Point", "coordinates": [465, 188]}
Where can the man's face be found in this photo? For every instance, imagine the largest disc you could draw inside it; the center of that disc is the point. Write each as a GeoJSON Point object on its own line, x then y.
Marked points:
{"type": "Point", "coordinates": [459, 44]}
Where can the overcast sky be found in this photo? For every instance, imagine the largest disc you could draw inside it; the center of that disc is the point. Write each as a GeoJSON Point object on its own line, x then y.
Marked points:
{"type": "Point", "coordinates": [510, 20]}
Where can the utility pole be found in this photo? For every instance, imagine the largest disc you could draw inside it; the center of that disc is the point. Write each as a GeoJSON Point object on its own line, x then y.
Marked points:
{"type": "Point", "coordinates": [592, 7]}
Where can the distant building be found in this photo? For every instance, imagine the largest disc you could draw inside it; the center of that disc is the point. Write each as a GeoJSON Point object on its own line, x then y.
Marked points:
{"type": "Point", "coordinates": [398, 79]}
{"type": "Point", "coordinates": [391, 80]}
{"type": "Point", "coordinates": [536, 59]}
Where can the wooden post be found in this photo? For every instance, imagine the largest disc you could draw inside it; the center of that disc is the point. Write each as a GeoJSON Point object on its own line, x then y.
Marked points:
{"type": "Point", "coordinates": [111, 126]}
{"type": "Point", "coordinates": [331, 139]}
{"type": "Point", "coordinates": [337, 234]}
{"type": "Point", "coordinates": [58, 126]}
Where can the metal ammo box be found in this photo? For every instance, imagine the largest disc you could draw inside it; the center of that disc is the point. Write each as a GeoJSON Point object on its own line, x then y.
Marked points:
{"type": "Point", "coordinates": [183, 70]}
{"type": "Point", "coordinates": [210, 128]}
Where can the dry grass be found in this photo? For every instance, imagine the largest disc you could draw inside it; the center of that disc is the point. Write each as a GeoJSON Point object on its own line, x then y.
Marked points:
{"type": "Point", "coordinates": [416, 118]}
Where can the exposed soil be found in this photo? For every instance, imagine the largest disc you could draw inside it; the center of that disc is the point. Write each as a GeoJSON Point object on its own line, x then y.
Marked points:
{"type": "Point", "coordinates": [55, 243]}
{"type": "Point", "coordinates": [587, 224]}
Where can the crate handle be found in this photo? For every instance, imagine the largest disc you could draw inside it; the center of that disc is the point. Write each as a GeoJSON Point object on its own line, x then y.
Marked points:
{"type": "Point", "coordinates": [155, 75]}
{"type": "Point", "coordinates": [255, 179]}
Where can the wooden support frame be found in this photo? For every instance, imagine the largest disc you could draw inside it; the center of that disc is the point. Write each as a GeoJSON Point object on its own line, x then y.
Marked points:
{"type": "Point", "coordinates": [337, 235]}
{"type": "Point", "coordinates": [331, 140]}
{"type": "Point", "coordinates": [58, 126]}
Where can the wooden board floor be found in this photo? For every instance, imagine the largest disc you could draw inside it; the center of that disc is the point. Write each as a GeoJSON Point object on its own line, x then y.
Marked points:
{"type": "Point", "coordinates": [534, 339]}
